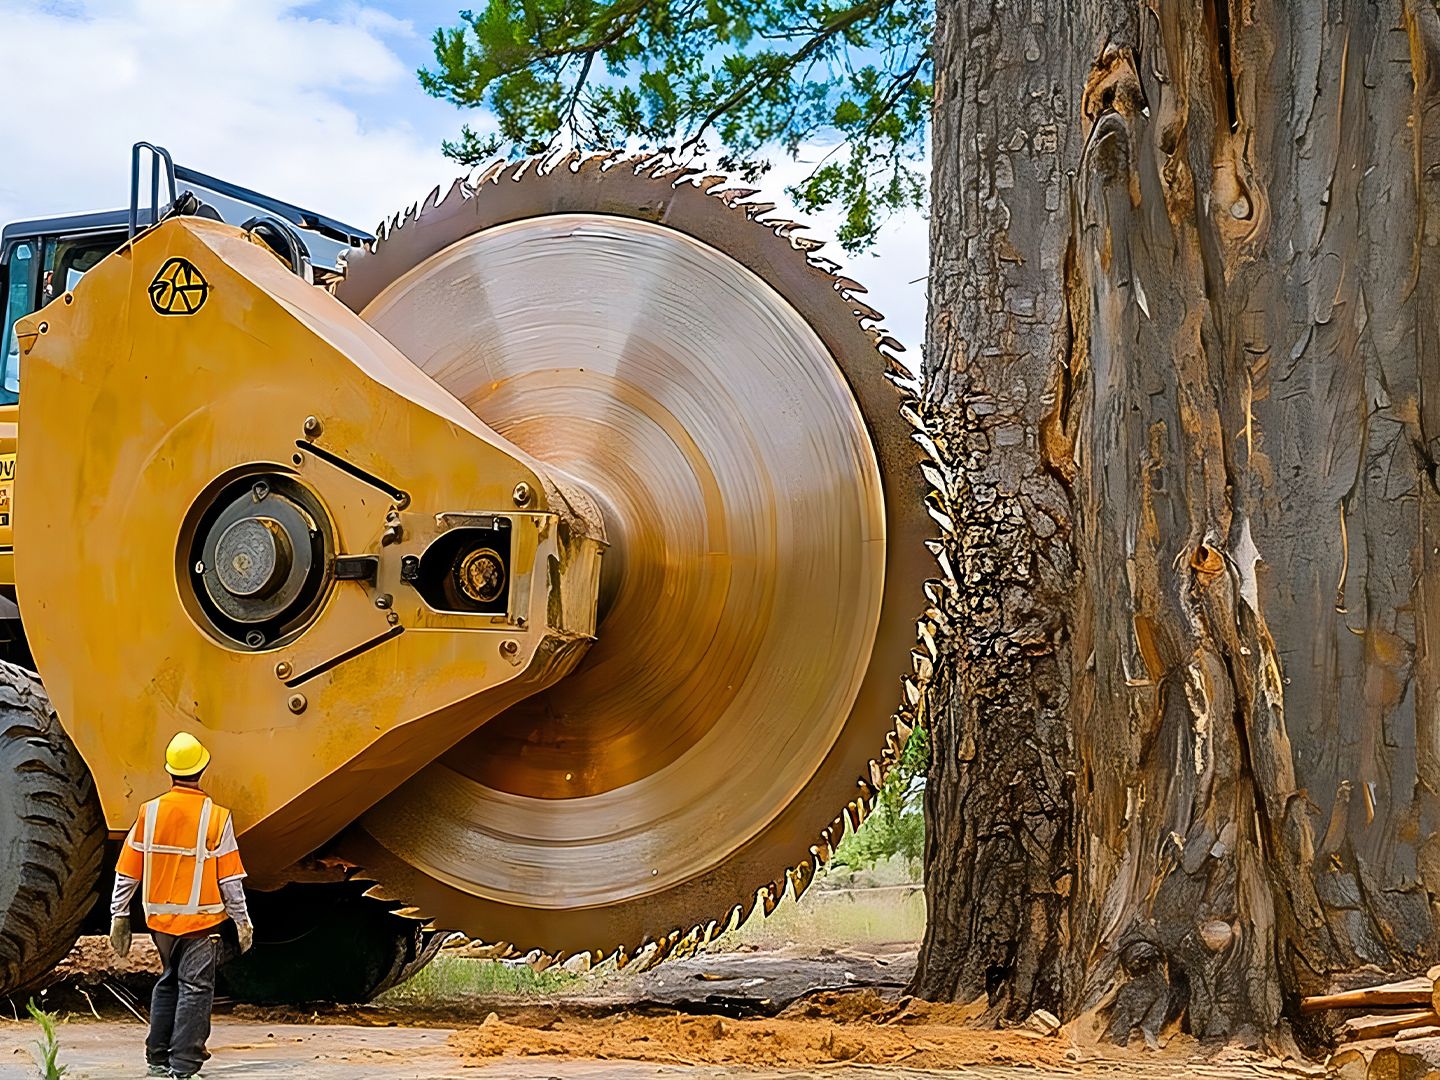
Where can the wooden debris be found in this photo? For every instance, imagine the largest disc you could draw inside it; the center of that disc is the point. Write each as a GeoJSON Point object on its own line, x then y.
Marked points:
{"type": "Point", "coordinates": [1417, 1033]}
{"type": "Point", "coordinates": [1410, 1063]}
{"type": "Point", "coordinates": [1043, 1021]}
{"type": "Point", "coordinates": [1347, 1065]}
{"type": "Point", "coordinates": [1412, 992]}
{"type": "Point", "coordinates": [1384, 1025]}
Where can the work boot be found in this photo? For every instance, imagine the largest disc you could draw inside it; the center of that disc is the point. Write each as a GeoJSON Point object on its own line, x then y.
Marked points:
{"type": "Point", "coordinates": [159, 1070]}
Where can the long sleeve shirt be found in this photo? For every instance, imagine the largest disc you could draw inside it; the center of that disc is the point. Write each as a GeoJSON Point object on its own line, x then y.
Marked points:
{"type": "Point", "coordinates": [231, 892]}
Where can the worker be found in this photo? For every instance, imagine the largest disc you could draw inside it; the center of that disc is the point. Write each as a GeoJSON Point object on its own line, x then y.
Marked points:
{"type": "Point", "coordinates": [182, 847]}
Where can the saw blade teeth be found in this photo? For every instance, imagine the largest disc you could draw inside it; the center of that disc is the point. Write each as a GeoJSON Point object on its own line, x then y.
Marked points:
{"type": "Point", "coordinates": [926, 443]}
{"type": "Point", "coordinates": [663, 170]}
{"type": "Point", "coordinates": [491, 174]}
{"type": "Point", "coordinates": [578, 964]}
{"type": "Point", "coordinates": [455, 190]}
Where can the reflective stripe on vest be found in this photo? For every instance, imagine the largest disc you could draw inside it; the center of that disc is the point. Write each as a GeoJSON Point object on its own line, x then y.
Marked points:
{"type": "Point", "coordinates": [199, 853]}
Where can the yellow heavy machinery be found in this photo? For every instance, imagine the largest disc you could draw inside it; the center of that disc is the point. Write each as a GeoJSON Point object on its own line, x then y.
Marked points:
{"type": "Point", "coordinates": [545, 568]}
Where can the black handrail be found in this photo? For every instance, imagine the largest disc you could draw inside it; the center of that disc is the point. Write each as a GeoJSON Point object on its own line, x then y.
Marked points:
{"type": "Point", "coordinates": [158, 154]}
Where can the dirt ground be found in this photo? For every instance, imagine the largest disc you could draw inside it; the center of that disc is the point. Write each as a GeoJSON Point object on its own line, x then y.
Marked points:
{"type": "Point", "coordinates": [769, 1004]}
{"type": "Point", "coordinates": [565, 1049]}
{"type": "Point", "coordinates": [866, 1031]}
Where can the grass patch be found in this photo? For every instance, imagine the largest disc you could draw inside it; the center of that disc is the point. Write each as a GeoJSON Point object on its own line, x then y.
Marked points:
{"type": "Point", "coordinates": [449, 978]}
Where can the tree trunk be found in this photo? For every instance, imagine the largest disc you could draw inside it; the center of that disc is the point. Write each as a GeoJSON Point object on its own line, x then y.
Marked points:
{"type": "Point", "coordinates": [1183, 317]}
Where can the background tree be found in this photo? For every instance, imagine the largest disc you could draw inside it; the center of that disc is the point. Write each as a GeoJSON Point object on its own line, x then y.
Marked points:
{"type": "Point", "coordinates": [739, 79]}
{"type": "Point", "coordinates": [1183, 358]}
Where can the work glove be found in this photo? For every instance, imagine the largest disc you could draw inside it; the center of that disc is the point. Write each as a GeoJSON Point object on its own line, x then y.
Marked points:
{"type": "Point", "coordinates": [120, 935]}
{"type": "Point", "coordinates": [246, 933]}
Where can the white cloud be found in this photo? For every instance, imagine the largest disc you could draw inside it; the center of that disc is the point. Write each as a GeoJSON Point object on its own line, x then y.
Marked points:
{"type": "Point", "coordinates": [315, 104]}
{"type": "Point", "coordinates": [251, 90]}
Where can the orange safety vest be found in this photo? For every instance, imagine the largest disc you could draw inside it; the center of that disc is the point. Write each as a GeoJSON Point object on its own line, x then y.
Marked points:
{"type": "Point", "coordinates": [181, 849]}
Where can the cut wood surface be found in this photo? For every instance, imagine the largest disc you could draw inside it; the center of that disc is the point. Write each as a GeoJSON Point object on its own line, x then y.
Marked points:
{"type": "Point", "coordinates": [1413, 1061]}
{"type": "Point", "coordinates": [1417, 991]}
{"type": "Point", "coordinates": [1417, 1033]}
{"type": "Point", "coordinates": [1386, 1024]}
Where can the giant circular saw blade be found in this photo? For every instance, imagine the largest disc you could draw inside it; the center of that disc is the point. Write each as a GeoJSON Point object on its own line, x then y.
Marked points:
{"type": "Point", "coordinates": [715, 391]}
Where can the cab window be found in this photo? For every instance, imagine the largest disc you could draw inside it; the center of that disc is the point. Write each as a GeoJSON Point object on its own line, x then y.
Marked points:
{"type": "Point", "coordinates": [20, 300]}
{"type": "Point", "coordinates": [37, 275]}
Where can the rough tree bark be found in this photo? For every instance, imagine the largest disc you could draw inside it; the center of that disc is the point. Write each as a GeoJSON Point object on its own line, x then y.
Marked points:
{"type": "Point", "coordinates": [1183, 323]}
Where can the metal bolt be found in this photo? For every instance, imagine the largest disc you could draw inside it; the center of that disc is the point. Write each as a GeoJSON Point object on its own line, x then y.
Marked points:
{"type": "Point", "coordinates": [522, 493]}
{"type": "Point", "coordinates": [313, 427]}
{"type": "Point", "coordinates": [509, 648]}
{"type": "Point", "coordinates": [520, 622]}
{"type": "Point", "coordinates": [260, 491]}
{"type": "Point", "coordinates": [297, 703]}
{"type": "Point", "coordinates": [254, 639]}
{"type": "Point", "coordinates": [283, 669]}
{"type": "Point", "coordinates": [393, 618]}
{"type": "Point", "coordinates": [402, 500]}
{"type": "Point", "coordinates": [383, 600]}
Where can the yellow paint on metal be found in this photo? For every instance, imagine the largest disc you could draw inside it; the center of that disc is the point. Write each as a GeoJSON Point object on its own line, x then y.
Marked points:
{"type": "Point", "coordinates": [9, 417]}
{"type": "Point", "coordinates": [139, 402]}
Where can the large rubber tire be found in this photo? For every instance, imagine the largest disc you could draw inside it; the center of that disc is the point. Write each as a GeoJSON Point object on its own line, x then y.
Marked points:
{"type": "Point", "coordinates": [325, 943]}
{"type": "Point", "coordinates": [52, 836]}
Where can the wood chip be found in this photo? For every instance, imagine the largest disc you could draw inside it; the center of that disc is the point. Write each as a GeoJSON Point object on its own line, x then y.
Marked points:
{"type": "Point", "coordinates": [1412, 992]}
{"type": "Point", "coordinates": [1383, 1025]}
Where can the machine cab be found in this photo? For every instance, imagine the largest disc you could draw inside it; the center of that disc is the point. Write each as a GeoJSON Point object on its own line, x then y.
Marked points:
{"type": "Point", "coordinates": [43, 258]}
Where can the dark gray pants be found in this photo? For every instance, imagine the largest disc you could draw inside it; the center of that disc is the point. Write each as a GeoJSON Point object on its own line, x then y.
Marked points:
{"type": "Point", "coordinates": [180, 1005]}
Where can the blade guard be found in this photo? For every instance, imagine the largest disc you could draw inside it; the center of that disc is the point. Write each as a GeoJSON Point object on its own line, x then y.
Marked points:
{"type": "Point", "coordinates": [192, 371]}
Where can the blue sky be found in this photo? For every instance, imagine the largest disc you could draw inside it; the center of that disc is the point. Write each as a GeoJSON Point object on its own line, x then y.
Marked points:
{"type": "Point", "coordinates": [312, 102]}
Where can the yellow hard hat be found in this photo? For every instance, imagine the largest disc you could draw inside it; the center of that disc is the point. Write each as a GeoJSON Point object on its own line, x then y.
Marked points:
{"type": "Point", "coordinates": [185, 756]}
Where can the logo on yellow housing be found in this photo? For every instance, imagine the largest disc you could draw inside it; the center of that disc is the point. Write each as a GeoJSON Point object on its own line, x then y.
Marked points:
{"type": "Point", "coordinates": [179, 288]}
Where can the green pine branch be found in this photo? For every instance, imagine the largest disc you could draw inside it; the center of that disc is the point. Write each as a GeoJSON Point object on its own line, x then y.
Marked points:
{"type": "Point", "coordinates": [751, 77]}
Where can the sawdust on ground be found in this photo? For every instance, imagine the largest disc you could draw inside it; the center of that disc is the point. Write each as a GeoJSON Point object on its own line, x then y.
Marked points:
{"type": "Point", "coordinates": [858, 1027]}
{"type": "Point", "coordinates": [92, 960]}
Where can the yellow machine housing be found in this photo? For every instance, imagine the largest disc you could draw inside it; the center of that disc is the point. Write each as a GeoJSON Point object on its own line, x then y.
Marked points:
{"type": "Point", "coordinates": [316, 558]}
